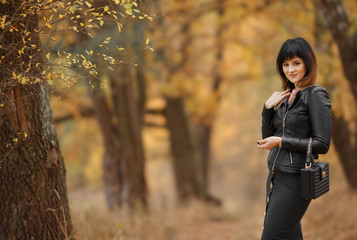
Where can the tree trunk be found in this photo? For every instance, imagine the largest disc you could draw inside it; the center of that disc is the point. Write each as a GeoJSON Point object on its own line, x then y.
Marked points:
{"type": "Point", "coordinates": [189, 143]}
{"type": "Point", "coordinates": [112, 155]}
{"type": "Point", "coordinates": [123, 161]}
{"type": "Point", "coordinates": [204, 126]}
{"type": "Point", "coordinates": [344, 136]}
{"type": "Point", "coordinates": [141, 82]}
{"type": "Point", "coordinates": [33, 195]}
{"type": "Point", "coordinates": [345, 143]}
{"type": "Point", "coordinates": [339, 25]}
{"type": "Point", "coordinates": [132, 163]}
{"type": "Point", "coordinates": [184, 161]}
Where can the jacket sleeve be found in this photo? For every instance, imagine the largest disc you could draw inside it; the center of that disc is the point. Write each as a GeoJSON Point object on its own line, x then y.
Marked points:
{"type": "Point", "coordinates": [320, 120]}
{"type": "Point", "coordinates": [267, 124]}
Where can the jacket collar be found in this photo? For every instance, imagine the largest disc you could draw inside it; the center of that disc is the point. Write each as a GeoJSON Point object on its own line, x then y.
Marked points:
{"type": "Point", "coordinates": [287, 105]}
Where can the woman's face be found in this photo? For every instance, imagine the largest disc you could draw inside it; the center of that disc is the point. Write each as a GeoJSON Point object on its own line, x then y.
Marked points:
{"type": "Point", "coordinates": [294, 69]}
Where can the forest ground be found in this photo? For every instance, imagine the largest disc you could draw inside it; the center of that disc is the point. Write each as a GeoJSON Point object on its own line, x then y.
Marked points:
{"type": "Point", "coordinates": [331, 217]}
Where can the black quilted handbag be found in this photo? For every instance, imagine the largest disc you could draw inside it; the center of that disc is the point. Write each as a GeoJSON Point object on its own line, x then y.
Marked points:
{"type": "Point", "coordinates": [315, 177]}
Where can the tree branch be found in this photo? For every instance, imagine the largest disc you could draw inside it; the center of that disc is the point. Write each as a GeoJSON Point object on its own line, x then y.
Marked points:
{"type": "Point", "coordinates": [86, 111]}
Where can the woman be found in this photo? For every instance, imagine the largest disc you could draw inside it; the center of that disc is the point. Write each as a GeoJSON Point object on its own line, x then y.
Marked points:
{"type": "Point", "coordinates": [289, 118]}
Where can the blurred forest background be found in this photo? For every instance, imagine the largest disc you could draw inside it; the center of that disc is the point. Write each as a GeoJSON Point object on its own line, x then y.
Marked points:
{"type": "Point", "coordinates": [160, 144]}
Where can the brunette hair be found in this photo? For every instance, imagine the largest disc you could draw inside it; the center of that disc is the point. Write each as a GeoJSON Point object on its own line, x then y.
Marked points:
{"type": "Point", "coordinates": [297, 47]}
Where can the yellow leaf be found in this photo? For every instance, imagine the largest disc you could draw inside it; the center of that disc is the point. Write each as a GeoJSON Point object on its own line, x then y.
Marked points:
{"type": "Point", "coordinates": [2, 22]}
{"type": "Point", "coordinates": [1, 105]}
{"type": "Point", "coordinates": [101, 22]}
{"type": "Point", "coordinates": [119, 27]}
{"type": "Point", "coordinates": [15, 140]}
{"type": "Point", "coordinates": [14, 75]}
{"type": "Point", "coordinates": [25, 135]}
{"type": "Point", "coordinates": [48, 55]}
{"type": "Point", "coordinates": [72, 9]}
{"type": "Point", "coordinates": [128, 6]}
{"type": "Point", "coordinates": [88, 4]}
{"type": "Point", "coordinates": [106, 8]}
{"type": "Point", "coordinates": [117, 1]}
{"type": "Point", "coordinates": [148, 41]}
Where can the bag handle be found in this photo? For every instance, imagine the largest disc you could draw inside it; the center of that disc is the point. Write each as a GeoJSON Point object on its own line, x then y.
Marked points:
{"type": "Point", "coordinates": [309, 155]}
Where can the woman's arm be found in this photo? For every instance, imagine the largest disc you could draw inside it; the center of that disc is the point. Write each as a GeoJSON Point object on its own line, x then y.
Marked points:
{"type": "Point", "coordinates": [320, 120]}
{"type": "Point", "coordinates": [267, 126]}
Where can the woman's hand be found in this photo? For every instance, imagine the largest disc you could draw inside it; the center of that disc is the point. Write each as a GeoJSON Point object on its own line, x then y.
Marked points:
{"type": "Point", "coordinates": [269, 143]}
{"type": "Point", "coordinates": [276, 98]}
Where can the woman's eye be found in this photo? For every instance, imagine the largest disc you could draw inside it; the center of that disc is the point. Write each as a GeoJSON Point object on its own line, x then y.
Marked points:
{"type": "Point", "coordinates": [297, 63]}
{"type": "Point", "coordinates": [285, 65]}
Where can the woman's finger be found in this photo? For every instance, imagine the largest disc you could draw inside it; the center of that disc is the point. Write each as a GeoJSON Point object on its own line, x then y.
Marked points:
{"type": "Point", "coordinates": [286, 94]}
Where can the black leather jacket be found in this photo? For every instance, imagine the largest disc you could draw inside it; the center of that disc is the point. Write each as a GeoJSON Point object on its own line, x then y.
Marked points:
{"type": "Point", "coordinates": [309, 115]}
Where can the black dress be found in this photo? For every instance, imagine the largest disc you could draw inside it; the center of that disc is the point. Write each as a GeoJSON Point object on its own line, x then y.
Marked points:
{"type": "Point", "coordinates": [309, 115]}
{"type": "Point", "coordinates": [285, 207]}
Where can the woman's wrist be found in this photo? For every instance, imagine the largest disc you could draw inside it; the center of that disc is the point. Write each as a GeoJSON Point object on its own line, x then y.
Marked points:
{"type": "Point", "coordinates": [267, 106]}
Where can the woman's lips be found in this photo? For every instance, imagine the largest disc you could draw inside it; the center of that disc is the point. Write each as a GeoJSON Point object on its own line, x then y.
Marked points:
{"type": "Point", "coordinates": [293, 75]}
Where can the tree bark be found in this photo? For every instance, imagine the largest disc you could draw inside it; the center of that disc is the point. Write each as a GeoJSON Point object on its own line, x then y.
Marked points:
{"type": "Point", "coordinates": [184, 163]}
{"type": "Point", "coordinates": [339, 26]}
{"type": "Point", "coordinates": [123, 162]}
{"type": "Point", "coordinates": [344, 136]}
{"type": "Point", "coordinates": [132, 162]}
{"type": "Point", "coordinates": [345, 143]}
{"type": "Point", "coordinates": [112, 149]}
{"type": "Point", "coordinates": [33, 195]}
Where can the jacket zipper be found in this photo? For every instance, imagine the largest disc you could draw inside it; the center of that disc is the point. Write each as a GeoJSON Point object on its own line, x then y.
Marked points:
{"type": "Point", "coordinates": [290, 157]}
{"type": "Point", "coordinates": [273, 169]}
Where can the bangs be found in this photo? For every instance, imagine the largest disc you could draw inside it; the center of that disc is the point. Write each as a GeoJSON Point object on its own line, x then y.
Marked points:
{"type": "Point", "coordinates": [288, 52]}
